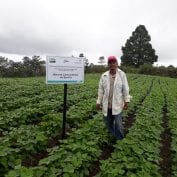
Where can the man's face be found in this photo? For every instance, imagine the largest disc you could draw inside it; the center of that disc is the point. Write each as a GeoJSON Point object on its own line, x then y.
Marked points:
{"type": "Point", "coordinates": [112, 65]}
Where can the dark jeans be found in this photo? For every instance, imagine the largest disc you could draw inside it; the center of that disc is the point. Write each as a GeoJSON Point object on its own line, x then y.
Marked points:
{"type": "Point", "coordinates": [114, 124]}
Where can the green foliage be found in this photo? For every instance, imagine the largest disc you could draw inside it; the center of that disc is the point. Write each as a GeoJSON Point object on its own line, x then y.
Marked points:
{"type": "Point", "coordinates": [30, 116]}
{"type": "Point", "coordinates": [145, 69]}
{"type": "Point", "coordinates": [96, 69]}
{"type": "Point", "coordinates": [138, 50]}
{"type": "Point", "coordinates": [129, 69]}
{"type": "Point", "coordinates": [20, 172]}
{"type": "Point", "coordinates": [148, 69]}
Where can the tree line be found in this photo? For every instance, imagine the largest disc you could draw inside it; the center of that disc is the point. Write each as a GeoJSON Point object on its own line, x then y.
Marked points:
{"type": "Point", "coordinates": [138, 56]}
{"type": "Point", "coordinates": [35, 66]}
{"type": "Point", "coordinates": [28, 67]}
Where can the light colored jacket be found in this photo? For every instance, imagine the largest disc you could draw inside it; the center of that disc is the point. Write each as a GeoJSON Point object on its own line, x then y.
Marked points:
{"type": "Point", "coordinates": [120, 92]}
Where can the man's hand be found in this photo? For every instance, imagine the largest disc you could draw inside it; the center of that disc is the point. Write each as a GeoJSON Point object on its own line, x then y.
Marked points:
{"type": "Point", "coordinates": [98, 106]}
{"type": "Point", "coordinates": [125, 105]}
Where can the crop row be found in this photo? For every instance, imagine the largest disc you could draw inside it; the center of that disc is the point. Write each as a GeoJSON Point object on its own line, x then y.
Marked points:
{"type": "Point", "coordinates": [169, 88]}
{"type": "Point", "coordinates": [138, 154]}
{"type": "Point", "coordinates": [17, 93]}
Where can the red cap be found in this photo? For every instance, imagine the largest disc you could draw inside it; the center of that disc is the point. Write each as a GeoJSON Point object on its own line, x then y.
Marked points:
{"type": "Point", "coordinates": [112, 58]}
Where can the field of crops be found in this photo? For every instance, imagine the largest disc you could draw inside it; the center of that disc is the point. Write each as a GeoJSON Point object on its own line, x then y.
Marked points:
{"type": "Point", "coordinates": [31, 143]}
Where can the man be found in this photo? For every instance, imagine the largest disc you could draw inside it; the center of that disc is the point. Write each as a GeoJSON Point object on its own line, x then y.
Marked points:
{"type": "Point", "coordinates": [113, 97]}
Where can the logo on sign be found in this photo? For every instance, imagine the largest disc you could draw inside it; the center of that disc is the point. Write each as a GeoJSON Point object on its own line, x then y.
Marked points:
{"type": "Point", "coordinates": [65, 61]}
{"type": "Point", "coordinates": [52, 60]}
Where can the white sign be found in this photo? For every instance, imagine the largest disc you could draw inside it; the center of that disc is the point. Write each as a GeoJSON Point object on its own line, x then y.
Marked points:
{"type": "Point", "coordinates": [61, 70]}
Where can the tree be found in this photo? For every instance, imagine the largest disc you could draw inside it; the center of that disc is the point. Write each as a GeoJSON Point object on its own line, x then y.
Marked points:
{"type": "Point", "coordinates": [86, 62]}
{"type": "Point", "coordinates": [3, 65]}
{"type": "Point", "coordinates": [101, 60]}
{"type": "Point", "coordinates": [138, 51]}
{"type": "Point", "coordinates": [36, 65]}
{"type": "Point", "coordinates": [33, 66]}
{"type": "Point", "coordinates": [27, 67]}
{"type": "Point", "coordinates": [15, 69]}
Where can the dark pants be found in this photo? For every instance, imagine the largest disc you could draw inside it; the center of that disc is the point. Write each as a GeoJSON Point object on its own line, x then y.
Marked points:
{"type": "Point", "coordinates": [114, 124]}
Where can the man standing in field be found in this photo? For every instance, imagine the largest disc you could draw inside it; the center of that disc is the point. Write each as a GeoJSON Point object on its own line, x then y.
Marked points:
{"type": "Point", "coordinates": [113, 97]}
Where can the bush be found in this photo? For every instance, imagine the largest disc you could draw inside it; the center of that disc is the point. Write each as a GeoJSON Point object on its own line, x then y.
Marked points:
{"type": "Point", "coordinates": [146, 69]}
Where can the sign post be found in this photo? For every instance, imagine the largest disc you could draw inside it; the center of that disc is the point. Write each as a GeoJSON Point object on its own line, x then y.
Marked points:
{"type": "Point", "coordinates": [64, 70]}
{"type": "Point", "coordinates": [64, 110]}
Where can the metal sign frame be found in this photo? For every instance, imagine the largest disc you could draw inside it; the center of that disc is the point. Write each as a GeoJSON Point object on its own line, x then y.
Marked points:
{"type": "Point", "coordinates": [62, 70]}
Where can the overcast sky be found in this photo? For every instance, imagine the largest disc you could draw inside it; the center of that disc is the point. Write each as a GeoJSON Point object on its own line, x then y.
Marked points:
{"type": "Point", "coordinates": [93, 27]}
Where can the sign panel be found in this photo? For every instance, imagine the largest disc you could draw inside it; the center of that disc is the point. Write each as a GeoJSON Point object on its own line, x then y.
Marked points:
{"type": "Point", "coordinates": [64, 70]}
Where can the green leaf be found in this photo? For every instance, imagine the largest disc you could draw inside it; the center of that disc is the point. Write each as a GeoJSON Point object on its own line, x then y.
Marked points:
{"type": "Point", "coordinates": [12, 173]}
{"type": "Point", "coordinates": [68, 168]}
{"type": "Point", "coordinates": [3, 153]}
{"type": "Point", "coordinates": [66, 175]}
{"type": "Point", "coordinates": [26, 172]}
{"type": "Point", "coordinates": [40, 137]}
